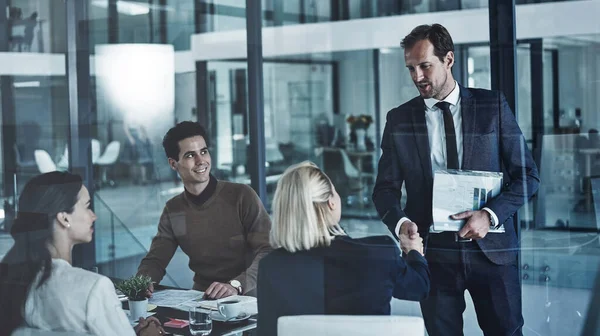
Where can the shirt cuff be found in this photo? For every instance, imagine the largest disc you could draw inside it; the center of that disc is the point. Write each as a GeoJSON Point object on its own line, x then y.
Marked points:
{"type": "Point", "coordinates": [399, 225]}
{"type": "Point", "coordinates": [494, 217]}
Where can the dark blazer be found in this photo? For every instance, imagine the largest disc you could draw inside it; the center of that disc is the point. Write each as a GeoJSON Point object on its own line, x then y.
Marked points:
{"type": "Point", "coordinates": [350, 277]}
{"type": "Point", "coordinates": [492, 141]}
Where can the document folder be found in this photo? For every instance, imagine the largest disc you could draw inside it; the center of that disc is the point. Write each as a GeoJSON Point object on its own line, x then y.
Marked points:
{"type": "Point", "coordinates": [456, 191]}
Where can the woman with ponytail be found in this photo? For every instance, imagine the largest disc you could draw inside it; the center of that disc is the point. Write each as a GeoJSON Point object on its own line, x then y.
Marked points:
{"type": "Point", "coordinates": [317, 269]}
{"type": "Point", "coordinates": [38, 286]}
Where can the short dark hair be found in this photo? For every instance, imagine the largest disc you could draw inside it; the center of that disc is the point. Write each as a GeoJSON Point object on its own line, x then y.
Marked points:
{"type": "Point", "coordinates": [436, 34]}
{"type": "Point", "coordinates": [183, 130]}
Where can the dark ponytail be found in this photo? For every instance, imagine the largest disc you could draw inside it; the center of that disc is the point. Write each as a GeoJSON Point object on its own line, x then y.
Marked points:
{"type": "Point", "coordinates": [43, 197]}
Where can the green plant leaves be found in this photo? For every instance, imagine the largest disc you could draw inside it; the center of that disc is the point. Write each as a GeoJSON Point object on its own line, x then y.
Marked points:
{"type": "Point", "coordinates": [135, 287]}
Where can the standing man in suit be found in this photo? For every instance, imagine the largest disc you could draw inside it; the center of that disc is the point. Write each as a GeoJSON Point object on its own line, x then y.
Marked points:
{"type": "Point", "coordinates": [452, 127]}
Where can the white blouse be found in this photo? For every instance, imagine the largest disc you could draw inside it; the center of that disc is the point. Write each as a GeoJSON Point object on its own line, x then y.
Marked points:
{"type": "Point", "coordinates": [73, 299]}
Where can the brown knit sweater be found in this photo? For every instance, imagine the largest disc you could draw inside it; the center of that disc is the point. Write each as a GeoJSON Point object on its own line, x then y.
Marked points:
{"type": "Point", "coordinates": [225, 237]}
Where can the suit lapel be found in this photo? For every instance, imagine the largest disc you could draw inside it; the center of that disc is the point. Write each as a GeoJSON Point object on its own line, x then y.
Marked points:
{"type": "Point", "coordinates": [467, 106]}
{"type": "Point", "coordinates": [421, 137]}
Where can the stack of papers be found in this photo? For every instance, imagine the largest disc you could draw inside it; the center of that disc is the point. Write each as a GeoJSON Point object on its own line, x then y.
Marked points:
{"type": "Point", "coordinates": [455, 191]}
{"type": "Point", "coordinates": [177, 299]}
{"type": "Point", "coordinates": [209, 304]}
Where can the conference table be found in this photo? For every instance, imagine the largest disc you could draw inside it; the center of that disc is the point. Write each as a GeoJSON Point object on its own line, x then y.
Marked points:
{"type": "Point", "coordinates": [163, 314]}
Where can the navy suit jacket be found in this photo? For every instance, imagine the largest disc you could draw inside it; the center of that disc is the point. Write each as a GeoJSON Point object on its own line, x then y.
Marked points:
{"type": "Point", "coordinates": [492, 141]}
{"type": "Point", "coordinates": [350, 277]}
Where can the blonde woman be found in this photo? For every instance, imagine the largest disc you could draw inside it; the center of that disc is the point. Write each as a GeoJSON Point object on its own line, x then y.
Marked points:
{"type": "Point", "coordinates": [317, 269]}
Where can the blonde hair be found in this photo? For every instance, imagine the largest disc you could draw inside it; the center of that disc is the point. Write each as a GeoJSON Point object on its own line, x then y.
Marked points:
{"type": "Point", "coordinates": [301, 215]}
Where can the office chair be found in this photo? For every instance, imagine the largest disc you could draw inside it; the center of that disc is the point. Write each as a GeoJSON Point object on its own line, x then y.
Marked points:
{"type": "Point", "coordinates": [44, 161]}
{"type": "Point", "coordinates": [108, 159]}
{"type": "Point", "coordinates": [95, 150]}
{"type": "Point", "coordinates": [343, 174]}
{"type": "Point", "coordinates": [63, 163]}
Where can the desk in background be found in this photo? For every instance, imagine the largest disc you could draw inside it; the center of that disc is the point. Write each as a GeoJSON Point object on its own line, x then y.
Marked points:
{"type": "Point", "coordinates": [358, 158]}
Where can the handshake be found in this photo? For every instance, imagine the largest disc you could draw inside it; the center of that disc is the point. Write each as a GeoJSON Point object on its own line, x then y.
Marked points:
{"type": "Point", "coordinates": [410, 238]}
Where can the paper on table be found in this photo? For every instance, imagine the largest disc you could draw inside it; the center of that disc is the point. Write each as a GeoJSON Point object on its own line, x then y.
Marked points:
{"type": "Point", "coordinates": [209, 304]}
{"type": "Point", "coordinates": [175, 298]}
{"type": "Point", "coordinates": [456, 191]}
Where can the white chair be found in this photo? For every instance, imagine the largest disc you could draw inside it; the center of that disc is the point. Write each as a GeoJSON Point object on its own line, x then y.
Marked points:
{"type": "Point", "coordinates": [108, 158]}
{"type": "Point", "coordinates": [63, 162]}
{"type": "Point", "coordinates": [350, 325]}
{"type": "Point", "coordinates": [44, 161]}
{"type": "Point", "coordinates": [95, 150]}
{"type": "Point", "coordinates": [110, 155]}
{"type": "Point", "coordinates": [26, 331]}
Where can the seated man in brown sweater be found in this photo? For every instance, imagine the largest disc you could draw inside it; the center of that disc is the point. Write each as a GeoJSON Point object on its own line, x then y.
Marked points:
{"type": "Point", "coordinates": [222, 226]}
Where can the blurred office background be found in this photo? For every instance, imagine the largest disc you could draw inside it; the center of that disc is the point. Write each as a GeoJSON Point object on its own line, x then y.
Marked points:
{"type": "Point", "coordinates": [91, 86]}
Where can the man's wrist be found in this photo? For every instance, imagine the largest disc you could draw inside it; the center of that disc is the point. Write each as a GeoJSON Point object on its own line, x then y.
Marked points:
{"type": "Point", "coordinates": [493, 221]}
{"type": "Point", "coordinates": [399, 225]}
{"type": "Point", "coordinates": [237, 285]}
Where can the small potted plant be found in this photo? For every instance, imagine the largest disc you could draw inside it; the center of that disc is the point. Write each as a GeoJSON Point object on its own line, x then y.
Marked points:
{"type": "Point", "coordinates": [135, 289]}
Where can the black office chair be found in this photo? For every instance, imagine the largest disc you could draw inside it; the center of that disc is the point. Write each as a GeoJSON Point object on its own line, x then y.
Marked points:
{"type": "Point", "coordinates": [349, 187]}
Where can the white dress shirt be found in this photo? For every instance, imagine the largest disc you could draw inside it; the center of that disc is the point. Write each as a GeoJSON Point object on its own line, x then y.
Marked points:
{"type": "Point", "coordinates": [73, 299]}
{"type": "Point", "coordinates": [434, 119]}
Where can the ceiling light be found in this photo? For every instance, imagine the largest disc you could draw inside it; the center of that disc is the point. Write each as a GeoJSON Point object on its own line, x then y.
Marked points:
{"type": "Point", "coordinates": [26, 84]}
{"type": "Point", "coordinates": [125, 7]}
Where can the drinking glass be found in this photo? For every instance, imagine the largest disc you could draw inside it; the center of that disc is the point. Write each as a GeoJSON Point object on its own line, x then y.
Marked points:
{"type": "Point", "coordinates": [200, 321]}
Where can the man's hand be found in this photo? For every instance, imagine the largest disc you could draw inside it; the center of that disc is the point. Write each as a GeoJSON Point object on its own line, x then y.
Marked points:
{"type": "Point", "coordinates": [218, 290]}
{"type": "Point", "coordinates": [409, 238]}
{"type": "Point", "coordinates": [477, 225]}
{"type": "Point", "coordinates": [150, 290]}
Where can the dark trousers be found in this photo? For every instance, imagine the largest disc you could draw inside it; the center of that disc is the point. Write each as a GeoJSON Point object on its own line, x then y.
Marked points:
{"type": "Point", "coordinates": [495, 289]}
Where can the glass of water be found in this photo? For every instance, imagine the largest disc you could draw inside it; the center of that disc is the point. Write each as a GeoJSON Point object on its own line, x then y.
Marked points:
{"type": "Point", "coordinates": [200, 321]}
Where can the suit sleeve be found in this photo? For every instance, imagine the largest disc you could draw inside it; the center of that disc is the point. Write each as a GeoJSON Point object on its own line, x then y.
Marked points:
{"type": "Point", "coordinates": [412, 277]}
{"type": "Point", "coordinates": [104, 315]}
{"type": "Point", "coordinates": [518, 163]}
{"type": "Point", "coordinates": [388, 186]}
{"type": "Point", "coordinates": [162, 249]}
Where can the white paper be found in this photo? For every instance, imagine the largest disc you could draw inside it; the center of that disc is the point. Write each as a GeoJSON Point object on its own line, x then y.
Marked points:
{"type": "Point", "coordinates": [176, 298]}
{"type": "Point", "coordinates": [456, 191]}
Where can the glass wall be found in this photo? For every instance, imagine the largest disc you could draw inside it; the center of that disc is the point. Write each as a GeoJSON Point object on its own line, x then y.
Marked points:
{"type": "Point", "coordinates": [35, 111]}
{"type": "Point", "coordinates": [145, 80]}
{"type": "Point", "coordinates": [560, 256]}
{"type": "Point", "coordinates": [327, 91]}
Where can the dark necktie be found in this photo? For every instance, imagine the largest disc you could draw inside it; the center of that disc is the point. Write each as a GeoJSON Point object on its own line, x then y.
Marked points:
{"type": "Point", "coordinates": [451, 151]}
